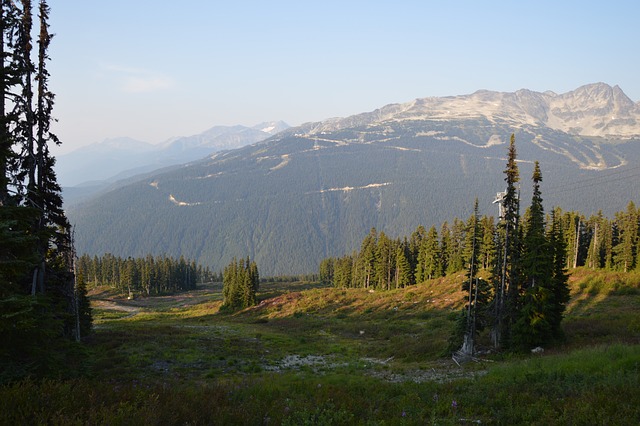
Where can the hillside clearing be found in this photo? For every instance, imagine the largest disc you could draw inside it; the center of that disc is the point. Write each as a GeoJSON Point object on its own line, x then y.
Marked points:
{"type": "Point", "coordinates": [314, 355]}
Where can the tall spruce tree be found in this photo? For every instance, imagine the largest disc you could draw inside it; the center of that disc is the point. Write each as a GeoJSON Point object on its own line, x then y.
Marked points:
{"type": "Point", "coordinates": [429, 265]}
{"type": "Point", "coordinates": [508, 285]}
{"type": "Point", "coordinates": [456, 247]}
{"type": "Point", "coordinates": [415, 241]}
{"type": "Point", "coordinates": [384, 262]}
{"type": "Point", "coordinates": [445, 242]}
{"type": "Point", "coordinates": [487, 245]}
{"type": "Point", "coordinates": [402, 270]}
{"type": "Point", "coordinates": [470, 284]}
{"type": "Point", "coordinates": [559, 280]}
{"type": "Point", "coordinates": [533, 319]}
{"type": "Point", "coordinates": [596, 253]}
{"type": "Point", "coordinates": [625, 251]}
{"type": "Point", "coordinates": [364, 272]}
{"type": "Point", "coordinates": [535, 259]}
{"type": "Point", "coordinates": [8, 82]}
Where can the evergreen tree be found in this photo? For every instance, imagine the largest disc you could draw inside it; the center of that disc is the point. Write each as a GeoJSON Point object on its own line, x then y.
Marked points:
{"type": "Point", "coordinates": [9, 80]}
{"type": "Point", "coordinates": [17, 249]}
{"type": "Point", "coordinates": [326, 270]}
{"type": "Point", "coordinates": [596, 257]}
{"type": "Point", "coordinates": [535, 259]}
{"type": "Point", "coordinates": [429, 263]}
{"type": "Point", "coordinates": [469, 285]}
{"type": "Point", "coordinates": [445, 242]}
{"type": "Point", "coordinates": [486, 256]}
{"type": "Point", "coordinates": [473, 238]}
{"type": "Point", "coordinates": [559, 287]}
{"type": "Point", "coordinates": [456, 247]}
{"type": "Point", "coordinates": [365, 268]}
{"type": "Point", "coordinates": [415, 242]}
{"type": "Point", "coordinates": [573, 225]}
{"type": "Point", "coordinates": [384, 262]}
{"type": "Point", "coordinates": [36, 249]}
{"type": "Point", "coordinates": [625, 251]}
{"type": "Point", "coordinates": [241, 281]}
{"type": "Point", "coordinates": [508, 285]}
{"type": "Point", "coordinates": [532, 324]}
{"type": "Point", "coordinates": [85, 316]}
{"type": "Point", "coordinates": [343, 272]}
{"type": "Point", "coordinates": [475, 315]}
{"type": "Point", "coordinates": [402, 269]}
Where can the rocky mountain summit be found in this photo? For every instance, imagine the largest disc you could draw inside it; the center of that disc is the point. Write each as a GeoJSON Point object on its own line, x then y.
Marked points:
{"type": "Point", "coordinates": [594, 110]}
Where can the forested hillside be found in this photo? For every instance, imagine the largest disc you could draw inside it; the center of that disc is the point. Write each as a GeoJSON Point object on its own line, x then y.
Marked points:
{"type": "Point", "coordinates": [516, 270]}
{"type": "Point", "coordinates": [596, 241]}
{"type": "Point", "coordinates": [316, 191]}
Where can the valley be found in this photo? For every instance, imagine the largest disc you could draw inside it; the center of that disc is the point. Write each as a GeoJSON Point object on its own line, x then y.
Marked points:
{"type": "Point", "coordinates": [470, 256]}
{"type": "Point", "coordinates": [312, 191]}
{"type": "Point", "coordinates": [309, 354]}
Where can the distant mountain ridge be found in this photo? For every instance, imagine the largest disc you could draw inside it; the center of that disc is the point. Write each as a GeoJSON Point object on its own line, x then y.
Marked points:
{"type": "Point", "coordinates": [596, 110]}
{"type": "Point", "coordinates": [123, 157]}
{"type": "Point", "coordinates": [316, 190]}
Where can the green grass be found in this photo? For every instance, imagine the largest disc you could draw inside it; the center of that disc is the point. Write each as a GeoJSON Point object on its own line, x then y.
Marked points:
{"type": "Point", "coordinates": [313, 355]}
{"type": "Point", "coordinates": [590, 386]}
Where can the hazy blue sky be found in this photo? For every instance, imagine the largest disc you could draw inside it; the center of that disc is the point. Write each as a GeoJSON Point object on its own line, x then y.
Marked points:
{"type": "Point", "coordinates": [153, 69]}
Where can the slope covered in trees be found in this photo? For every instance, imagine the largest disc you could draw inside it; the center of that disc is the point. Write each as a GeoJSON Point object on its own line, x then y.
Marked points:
{"type": "Point", "coordinates": [516, 268]}
{"type": "Point", "coordinates": [300, 197]}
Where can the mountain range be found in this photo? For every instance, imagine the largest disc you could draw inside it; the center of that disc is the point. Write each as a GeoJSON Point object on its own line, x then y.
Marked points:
{"type": "Point", "coordinates": [105, 162]}
{"type": "Point", "coordinates": [315, 190]}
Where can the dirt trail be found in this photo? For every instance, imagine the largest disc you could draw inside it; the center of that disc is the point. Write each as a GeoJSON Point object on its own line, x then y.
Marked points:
{"type": "Point", "coordinates": [115, 306]}
{"type": "Point", "coordinates": [104, 299]}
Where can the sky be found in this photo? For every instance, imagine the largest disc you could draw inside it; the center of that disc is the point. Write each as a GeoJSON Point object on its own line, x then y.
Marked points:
{"type": "Point", "coordinates": [156, 69]}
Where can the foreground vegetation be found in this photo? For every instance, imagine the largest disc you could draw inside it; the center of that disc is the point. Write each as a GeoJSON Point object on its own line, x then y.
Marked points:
{"type": "Point", "coordinates": [308, 354]}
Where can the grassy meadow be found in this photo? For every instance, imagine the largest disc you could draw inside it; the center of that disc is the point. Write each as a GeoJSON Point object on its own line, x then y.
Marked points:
{"type": "Point", "coordinates": [311, 355]}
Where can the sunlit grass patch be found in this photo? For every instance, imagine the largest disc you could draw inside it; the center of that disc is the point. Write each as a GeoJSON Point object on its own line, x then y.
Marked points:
{"type": "Point", "coordinates": [102, 315]}
{"type": "Point", "coordinates": [604, 308]}
{"type": "Point", "coordinates": [338, 356]}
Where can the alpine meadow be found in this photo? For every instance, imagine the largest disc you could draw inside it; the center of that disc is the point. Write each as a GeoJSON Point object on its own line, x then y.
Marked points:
{"type": "Point", "coordinates": [468, 259]}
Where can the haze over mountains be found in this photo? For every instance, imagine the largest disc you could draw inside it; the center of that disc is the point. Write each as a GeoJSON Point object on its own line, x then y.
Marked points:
{"type": "Point", "coordinates": [316, 190]}
{"type": "Point", "coordinates": [122, 157]}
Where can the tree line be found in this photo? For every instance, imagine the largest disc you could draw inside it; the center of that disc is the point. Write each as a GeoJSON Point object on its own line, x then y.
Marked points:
{"type": "Point", "coordinates": [42, 305]}
{"type": "Point", "coordinates": [515, 265]}
{"type": "Point", "coordinates": [596, 242]}
{"type": "Point", "coordinates": [150, 275]}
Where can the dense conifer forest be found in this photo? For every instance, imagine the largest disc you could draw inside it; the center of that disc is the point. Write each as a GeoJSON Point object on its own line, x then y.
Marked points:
{"type": "Point", "coordinates": [596, 242]}
{"type": "Point", "coordinates": [516, 267]}
{"type": "Point", "coordinates": [148, 276]}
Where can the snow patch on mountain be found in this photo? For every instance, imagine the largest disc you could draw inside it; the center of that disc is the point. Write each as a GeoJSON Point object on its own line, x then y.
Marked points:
{"type": "Point", "coordinates": [181, 203]}
{"type": "Point", "coordinates": [351, 188]}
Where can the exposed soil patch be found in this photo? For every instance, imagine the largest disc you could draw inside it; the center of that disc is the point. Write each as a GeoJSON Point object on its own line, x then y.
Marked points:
{"type": "Point", "coordinates": [115, 306]}
{"type": "Point", "coordinates": [103, 298]}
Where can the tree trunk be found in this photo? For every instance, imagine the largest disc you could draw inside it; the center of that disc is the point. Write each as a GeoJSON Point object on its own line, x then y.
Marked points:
{"type": "Point", "coordinates": [575, 253]}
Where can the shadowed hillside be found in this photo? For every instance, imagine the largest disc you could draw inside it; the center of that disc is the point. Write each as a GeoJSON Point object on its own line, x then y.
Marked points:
{"type": "Point", "coordinates": [316, 190]}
